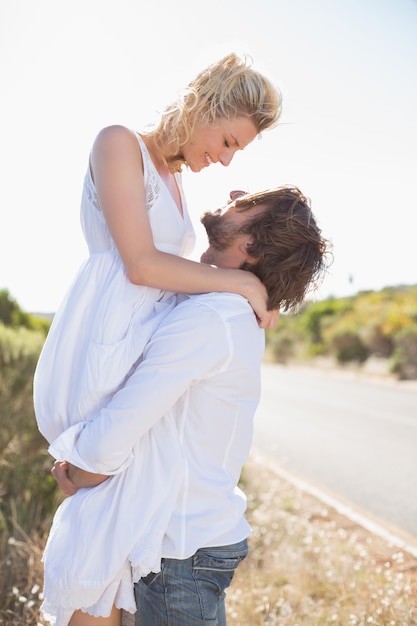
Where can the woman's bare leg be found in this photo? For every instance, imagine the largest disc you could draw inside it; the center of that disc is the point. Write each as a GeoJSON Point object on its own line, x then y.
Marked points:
{"type": "Point", "coordinates": [79, 618]}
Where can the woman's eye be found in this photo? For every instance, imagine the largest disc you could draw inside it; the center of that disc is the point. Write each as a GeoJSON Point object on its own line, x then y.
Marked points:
{"type": "Point", "coordinates": [226, 143]}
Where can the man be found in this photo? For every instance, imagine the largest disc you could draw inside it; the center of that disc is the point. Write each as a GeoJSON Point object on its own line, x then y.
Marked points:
{"type": "Point", "coordinates": [202, 369]}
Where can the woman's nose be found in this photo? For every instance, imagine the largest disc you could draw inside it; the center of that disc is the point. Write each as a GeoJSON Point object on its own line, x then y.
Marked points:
{"type": "Point", "coordinates": [226, 158]}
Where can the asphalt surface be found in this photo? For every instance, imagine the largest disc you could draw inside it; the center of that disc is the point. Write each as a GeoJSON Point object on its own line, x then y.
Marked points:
{"type": "Point", "coordinates": [354, 439]}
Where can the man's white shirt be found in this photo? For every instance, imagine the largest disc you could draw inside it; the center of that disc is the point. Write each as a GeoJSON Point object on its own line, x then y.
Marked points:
{"type": "Point", "coordinates": [201, 369]}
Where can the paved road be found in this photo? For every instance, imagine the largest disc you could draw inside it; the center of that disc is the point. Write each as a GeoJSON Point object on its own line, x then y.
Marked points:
{"type": "Point", "coordinates": [354, 437]}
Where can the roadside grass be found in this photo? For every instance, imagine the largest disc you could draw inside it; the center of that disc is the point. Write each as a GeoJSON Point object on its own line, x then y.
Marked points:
{"type": "Point", "coordinates": [21, 577]}
{"type": "Point", "coordinates": [308, 566]}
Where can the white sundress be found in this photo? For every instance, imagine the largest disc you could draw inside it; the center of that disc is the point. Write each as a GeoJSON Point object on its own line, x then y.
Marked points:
{"type": "Point", "coordinates": [104, 539]}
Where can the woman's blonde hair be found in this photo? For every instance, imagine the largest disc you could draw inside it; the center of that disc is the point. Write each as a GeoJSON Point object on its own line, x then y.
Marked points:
{"type": "Point", "coordinates": [227, 88]}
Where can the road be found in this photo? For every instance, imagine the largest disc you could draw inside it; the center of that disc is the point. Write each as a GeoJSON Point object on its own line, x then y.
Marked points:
{"type": "Point", "coordinates": [356, 438]}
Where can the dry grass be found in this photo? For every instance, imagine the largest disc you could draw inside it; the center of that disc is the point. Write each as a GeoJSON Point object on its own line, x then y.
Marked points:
{"type": "Point", "coordinates": [308, 566]}
{"type": "Point", "coordinates": [21, 579]}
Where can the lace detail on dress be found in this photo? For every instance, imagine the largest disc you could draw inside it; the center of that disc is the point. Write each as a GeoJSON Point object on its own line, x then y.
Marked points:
{"type": "Point", "coordinates": [152, 179]}
{"type": "Point", "coordinates": [91, 192]}
{"type": "Point", "coordinates": [119, 594]}
{"type": "Point", "coordinates": [58, 609]}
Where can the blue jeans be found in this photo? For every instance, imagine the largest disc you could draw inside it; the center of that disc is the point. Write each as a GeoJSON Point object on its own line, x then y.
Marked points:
{"type": "Point", "coordinates": [189, 592]}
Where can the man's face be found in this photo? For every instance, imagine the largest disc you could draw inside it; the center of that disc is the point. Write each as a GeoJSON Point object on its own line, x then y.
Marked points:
{"type": "Point", "coordinates": [225, 230]}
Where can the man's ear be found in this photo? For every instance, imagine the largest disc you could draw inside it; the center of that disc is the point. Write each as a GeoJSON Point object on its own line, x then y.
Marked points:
{"type": "Point", "coordinates": [247, 240]}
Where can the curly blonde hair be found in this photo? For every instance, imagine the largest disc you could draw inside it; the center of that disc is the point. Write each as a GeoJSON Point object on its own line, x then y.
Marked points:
{"type": "Point", "coordinates": [227, 88]}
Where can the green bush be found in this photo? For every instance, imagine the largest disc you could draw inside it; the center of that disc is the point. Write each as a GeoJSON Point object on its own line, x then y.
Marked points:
{"type": "Point", "coordinates": [349, 347]}
{"type": "Point", "coordinates": [351, 329]}
{"type": "Point", "coordinates": [283, 346]}
{"type": "Point", "coordinates": [11, 315]}
{"type": "Point", "coordinates": [404, 359]}
{"type": "Point", "coordinates": [379, 343]}
{"type": "Point", "coordinates": [316, 315]}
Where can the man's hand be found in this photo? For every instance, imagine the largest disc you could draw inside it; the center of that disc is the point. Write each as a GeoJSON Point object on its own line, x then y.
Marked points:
{"type": "Point", "coordinates": [71, 478]}
{"type": "Point", "coordinates": [60, 472]}
{"type": "Point", "coordinates": [81, 478]}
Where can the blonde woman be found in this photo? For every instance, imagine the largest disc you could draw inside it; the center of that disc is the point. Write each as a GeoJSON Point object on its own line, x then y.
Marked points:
{"type": "Point", "coordinates": [138, 230]}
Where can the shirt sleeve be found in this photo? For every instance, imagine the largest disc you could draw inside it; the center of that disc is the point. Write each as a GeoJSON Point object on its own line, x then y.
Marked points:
{"type": "Point", "coordinates": [191, 344]}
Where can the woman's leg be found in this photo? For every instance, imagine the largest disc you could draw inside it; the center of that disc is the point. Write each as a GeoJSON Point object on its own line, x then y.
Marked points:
{"type": "Point", "coordinates": [79, 618]}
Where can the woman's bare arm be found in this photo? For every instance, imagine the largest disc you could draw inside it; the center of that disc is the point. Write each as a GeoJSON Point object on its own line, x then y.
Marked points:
{"type": "Point", "coordinates": [117, 169]}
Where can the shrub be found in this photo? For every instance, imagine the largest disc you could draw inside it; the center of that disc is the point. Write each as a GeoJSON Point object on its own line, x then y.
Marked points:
{"type": "Point", "coordinates": [404, 359]}
{"type": "Point", "coordinates": [316, 315]}
{"type": "Point", "coordinates": [11, 315]}
{"type": "Point", "coordinates": [348, 347]}
{"type": "Point", "coordinates": [283, 346]}
{"type": "Point", "coordinates": [379, 343]}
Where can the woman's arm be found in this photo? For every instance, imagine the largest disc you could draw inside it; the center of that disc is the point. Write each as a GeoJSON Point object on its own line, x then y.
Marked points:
{"type": "Point", "coordinates": [117, 169]}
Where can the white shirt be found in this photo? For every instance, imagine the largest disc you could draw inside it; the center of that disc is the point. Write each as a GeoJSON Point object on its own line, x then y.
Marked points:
{"type": "Point", "coordinates": [201, 368]}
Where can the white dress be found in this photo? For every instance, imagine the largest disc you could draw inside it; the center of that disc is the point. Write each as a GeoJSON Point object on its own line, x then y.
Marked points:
{"type": "Point", "coordinates": [103, 539]}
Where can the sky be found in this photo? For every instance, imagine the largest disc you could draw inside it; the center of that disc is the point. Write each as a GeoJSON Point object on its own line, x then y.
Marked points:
{"type": "Point", "coordinates": [347, 137]}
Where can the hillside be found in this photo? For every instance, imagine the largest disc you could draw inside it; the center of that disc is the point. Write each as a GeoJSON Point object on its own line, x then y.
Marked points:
{"type": "Point", "coordinates": [371, 325]}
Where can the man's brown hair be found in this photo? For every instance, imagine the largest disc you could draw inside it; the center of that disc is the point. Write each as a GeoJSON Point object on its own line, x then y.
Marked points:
{"type": "Point", "coordinates": [290, 254]}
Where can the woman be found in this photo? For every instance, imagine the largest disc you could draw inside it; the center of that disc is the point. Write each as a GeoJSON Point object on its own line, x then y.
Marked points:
{"type": "Point", "coordinates": [137, 227]}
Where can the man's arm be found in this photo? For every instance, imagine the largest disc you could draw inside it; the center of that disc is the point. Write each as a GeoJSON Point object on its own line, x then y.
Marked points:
{"type": "Point", "coordinates": [71, 478]}
{"type": "Point", "coordinates": [191, 343]}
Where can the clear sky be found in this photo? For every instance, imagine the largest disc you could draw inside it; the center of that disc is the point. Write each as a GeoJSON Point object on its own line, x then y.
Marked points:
{"type": "Point", "coordinates": [348, 134]}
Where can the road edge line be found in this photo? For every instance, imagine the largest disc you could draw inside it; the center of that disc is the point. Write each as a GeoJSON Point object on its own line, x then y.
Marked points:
{"type": "Point", "coordinates": [395, 537]}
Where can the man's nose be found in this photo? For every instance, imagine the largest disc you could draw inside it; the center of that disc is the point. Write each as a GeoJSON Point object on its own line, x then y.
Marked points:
{"type": "Point", "coordinates": [237, 193]}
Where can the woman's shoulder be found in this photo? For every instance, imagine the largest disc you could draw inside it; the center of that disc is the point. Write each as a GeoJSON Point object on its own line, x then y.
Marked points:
{"type": "Point", "coordinates": [116, 146]}
{"type": "Point", "coordinates": [115, 134]}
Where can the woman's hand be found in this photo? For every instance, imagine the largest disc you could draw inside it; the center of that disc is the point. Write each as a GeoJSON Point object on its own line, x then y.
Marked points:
{"type": "Point", "coordinates": [266, 319]}
{"type": "Point", "coordinates": [270, 319]}
{"type": "Point", "coordinates": [257, 296]}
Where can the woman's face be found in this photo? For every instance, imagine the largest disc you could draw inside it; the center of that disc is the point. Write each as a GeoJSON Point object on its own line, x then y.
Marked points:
{"type": "Point", "coordinates": [217, 142]}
